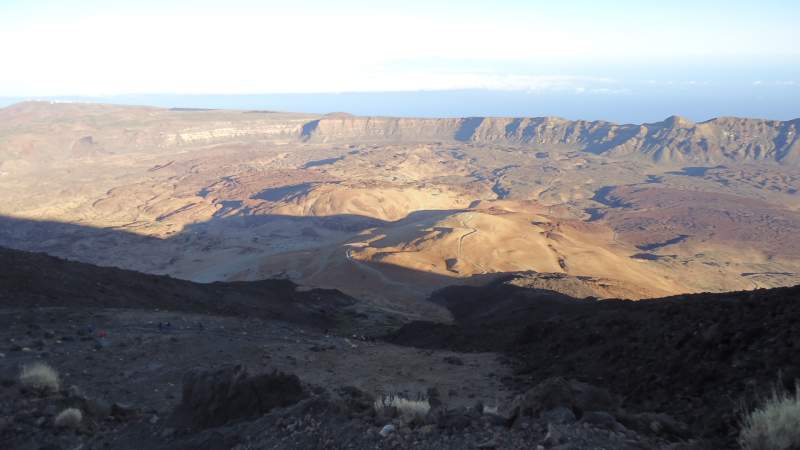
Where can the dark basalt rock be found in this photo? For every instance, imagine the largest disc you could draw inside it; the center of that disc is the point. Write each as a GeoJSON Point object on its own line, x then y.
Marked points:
{"type": "Point", "coordinates": [214, 398]}
{"type": "Point", "coordinates": [696, 357]}
{"type": "Point", "coordinates": [555, 393]}
{"type": "Point", "coordinates": [356, 401]}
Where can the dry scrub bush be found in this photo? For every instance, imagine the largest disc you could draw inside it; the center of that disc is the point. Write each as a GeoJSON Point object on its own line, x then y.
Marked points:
{"type": "Point", "coordinates": [69, 418]}
{"type": "Point", "coordinates": [408, 409]}
{"type": "Point", "coordinates": [40, 376]}
{"type": "Point", "coordinates": [775, 425]}
{"type": "Point", "coordinates": [491, 409]}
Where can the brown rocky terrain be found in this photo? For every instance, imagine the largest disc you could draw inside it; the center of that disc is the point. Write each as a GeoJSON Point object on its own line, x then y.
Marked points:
{"type": "Point", "coordinates": [675, 140]}
{"type": "Point", "coordinates": [125, 340]}
{"type": "Point", "coordinates": [299, 254]}
{"type": "Point", "coordinates": [389, 210]}
{"type": "Point", "coordinates": [162, 363]}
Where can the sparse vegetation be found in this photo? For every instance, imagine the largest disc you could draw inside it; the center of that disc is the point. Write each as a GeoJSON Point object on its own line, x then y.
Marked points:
{"type": "Point", "coordinates": [69, 418]}
{"type": "Point", "coordinates": [775, 425]}
{"type": "Point", "coordinates": [406, 408]}
{"type": "Point", "coordinates": [40, 376]}
{"type": "Point", "coordinates": [490, 409]}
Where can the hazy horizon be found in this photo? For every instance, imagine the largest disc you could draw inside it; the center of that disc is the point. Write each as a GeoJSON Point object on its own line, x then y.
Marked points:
{"type": "Point", "coordinates": [643, 108]}
{"type": "Point", "coordinates": [627, 61]}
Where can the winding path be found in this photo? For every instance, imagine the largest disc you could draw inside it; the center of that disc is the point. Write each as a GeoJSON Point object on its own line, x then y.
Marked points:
{"type": "Point", "coordinates": [461, 240]}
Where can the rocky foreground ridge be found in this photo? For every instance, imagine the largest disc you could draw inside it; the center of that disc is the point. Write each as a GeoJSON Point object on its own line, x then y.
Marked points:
{"type": "Point", "coordinates": [147, 368]}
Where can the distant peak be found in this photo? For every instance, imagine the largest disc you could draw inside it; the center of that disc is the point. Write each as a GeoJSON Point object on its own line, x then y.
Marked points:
{"type": "Point", "coordinates": [678, 122]}
{"type": "Point", "coordinates": [338, 115]}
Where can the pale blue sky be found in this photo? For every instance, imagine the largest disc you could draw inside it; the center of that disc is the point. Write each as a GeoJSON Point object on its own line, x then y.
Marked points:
{"type": "Point", "coordinates": [570, 48]}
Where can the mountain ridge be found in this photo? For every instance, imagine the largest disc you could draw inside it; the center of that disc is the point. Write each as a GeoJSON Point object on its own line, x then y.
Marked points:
{"type": "Point", "coordinates": [674, 140]}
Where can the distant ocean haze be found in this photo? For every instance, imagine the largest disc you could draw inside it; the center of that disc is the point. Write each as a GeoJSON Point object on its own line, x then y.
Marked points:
{"type": "Point", "coordinates": [779, 101]}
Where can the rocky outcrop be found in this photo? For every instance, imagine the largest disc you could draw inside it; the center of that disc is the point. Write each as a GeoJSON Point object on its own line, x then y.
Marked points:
{"type": "Point", "coordinates": [361, 129]}
{"type": "Point", "coordinates": [579, 398]}
{"type": "Point", "coordinates": [675, 140]}
{"type": "Point", "coordinates": [267, 130]}
{"type": "Point", "coordinates": [214, 398]}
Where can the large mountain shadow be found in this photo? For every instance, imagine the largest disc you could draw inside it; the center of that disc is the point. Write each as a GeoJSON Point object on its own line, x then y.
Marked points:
{"type": "Point", "coordinates": [117, 247]}
{"type": "Point", "coordinates": [132, 269]}
{"type": "Point", "coordinates": [33, 280]}
{"type": "Point", "coordinates": [696, 357]}
{"type": "Point", "coordinates": [227, 238]}
{"type": "Point", "coordinates": [100, 246]}
{"type": "Point", "coordinates": [117, 265]}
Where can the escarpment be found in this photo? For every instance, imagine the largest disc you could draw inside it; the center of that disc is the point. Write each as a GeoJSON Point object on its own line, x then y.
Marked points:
{"type": "Point", "coordinates": [674, 140]}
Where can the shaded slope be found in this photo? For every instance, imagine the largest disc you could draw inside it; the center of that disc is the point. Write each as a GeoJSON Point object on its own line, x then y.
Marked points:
{"type": "Point", "coordinates": [34, 279]}
{"type": "Point", "coordinates": [698, 357]}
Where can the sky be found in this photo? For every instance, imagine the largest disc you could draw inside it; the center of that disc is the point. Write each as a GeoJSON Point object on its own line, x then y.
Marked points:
{"type": "Point", "coordinates": [728, 54]}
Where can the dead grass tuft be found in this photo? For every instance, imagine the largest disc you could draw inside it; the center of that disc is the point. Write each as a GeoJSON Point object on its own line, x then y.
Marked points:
{"type": "Point", "coordinates": [69, 418]}
{"type": "Point", "coordinates": [406, 408]}
{"type": "Point", "coordinates": [775, 425]}
{"type": "Point", "coordinates": [40, 376]}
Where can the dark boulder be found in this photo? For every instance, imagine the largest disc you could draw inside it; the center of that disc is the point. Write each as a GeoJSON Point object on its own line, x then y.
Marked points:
{"type": "Point", "coordinates": [356, 401]}
{"type": "Point", "coordinates": [214, 398]}
{"type": "Point", "coordinates": [555, 393]}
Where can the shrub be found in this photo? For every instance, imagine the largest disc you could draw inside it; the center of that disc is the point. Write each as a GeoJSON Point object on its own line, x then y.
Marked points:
{"type": "Point", "coordinates": [491, 409]}
{"type": "Point", "coordinates": [69, 418]}
{"type": "Point", "coordinates": [40, 376]}
{"type": "Point", "coordinates": [408, 409]}
{"type": "Point", "coordinates": [775, 425]}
